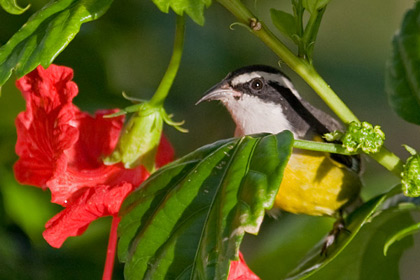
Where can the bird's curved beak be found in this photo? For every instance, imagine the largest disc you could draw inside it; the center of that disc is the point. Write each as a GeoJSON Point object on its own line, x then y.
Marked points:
{"type": "Point", "coordinates": [219, 92]}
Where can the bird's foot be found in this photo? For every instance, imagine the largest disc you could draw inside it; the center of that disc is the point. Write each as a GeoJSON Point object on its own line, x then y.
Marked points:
{"type": "Point", "coordinates": [338, 227]}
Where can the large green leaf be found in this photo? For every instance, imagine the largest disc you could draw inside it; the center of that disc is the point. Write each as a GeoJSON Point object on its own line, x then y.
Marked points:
{"type": "Point", "coordinates": [12, 7]}
{"type": "Point", "coordinates": [188, 219]}
{"type": "Point", "coordinates": [194, 8]}
{"type": "Point", "coordinates": [46, 34]}
{"type": "Point", "coordinates": [402, 79]}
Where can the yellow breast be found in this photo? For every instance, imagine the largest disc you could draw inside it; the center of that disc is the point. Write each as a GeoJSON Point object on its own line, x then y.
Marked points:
{"type": "Point", "coordinates": [313, 184]}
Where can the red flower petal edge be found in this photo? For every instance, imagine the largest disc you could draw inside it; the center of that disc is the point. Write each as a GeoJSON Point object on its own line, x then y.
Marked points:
{"type": "Point", "coordinates": [240, 271]}
{"type": "Point", "coordinates": [87, 207]}
{"type": "Point", "coordinates": [61, 148]}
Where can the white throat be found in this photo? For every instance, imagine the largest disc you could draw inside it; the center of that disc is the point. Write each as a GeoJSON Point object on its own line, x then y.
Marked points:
{"type": "Point", "coordinates": [252, 115]}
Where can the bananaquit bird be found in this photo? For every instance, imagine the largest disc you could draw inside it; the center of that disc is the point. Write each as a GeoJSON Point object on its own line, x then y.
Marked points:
{"type": "Point", "coordinates": [262, 99]}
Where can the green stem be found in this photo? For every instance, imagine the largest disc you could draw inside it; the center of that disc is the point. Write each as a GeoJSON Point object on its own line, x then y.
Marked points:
{"type": "Point", "coordinates": [311, 32]}
{"type": "Point", "coordinates": [170, 74]}
{"type": "Point", "coordinates": [313, 25]}
{"type": "Point", "coordinates": [384, 157]}
{"type": "Point", "coordinates": [298, 10]}
{"type": "Point", "coordinates": [299, 65]}
{"type": "Point", "coordinates": [305, 70]}
{"type": "Point", "coordinates": [389, 160]}
{"type": "Point", "coordinates": [321, 147]}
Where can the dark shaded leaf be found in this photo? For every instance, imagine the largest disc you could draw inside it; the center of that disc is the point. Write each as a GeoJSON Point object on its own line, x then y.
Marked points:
{"type": "Point", "coordinates": [402, 77]}
{"type": "Point", "coordinates": [194, 8]}
{"type": "Point", "coordinates": [313, 5]}
{"type": "Point", "coordinates": [285, 23]}
{"type": "Point", "coordinates": [363, 259]}
{"type": "Point", "coordinates": [410, 230]}
{"type": "Point", "coordinates": [315, 261]}
{"type": "Point", "coordinates": [188, 219]}
{"type": "Point", "coordinates": [46, 34]}
{"type": "Point", "coordinates": [12, 7]}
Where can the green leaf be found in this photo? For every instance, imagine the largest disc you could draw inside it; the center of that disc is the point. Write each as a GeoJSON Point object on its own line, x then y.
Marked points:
{"type": "Point", "coordinates": [314, 5]}
{"type": "Point", "coordinates": [314, 261]}
{"type": "Point", "coordinates": [412, 229]}
{"type": "Point", "coordinates": [285, 23]}
{"type": "Point", "coordinates": [402, 77]}
{"type": "Point", "coordinates": [12, 7]}
{"type": "Point", "coordinates": [46, 34]}
{"type": "Point", "coordinates": [194, 8]}
{"type": "Point", "coordinates": [188, 219]}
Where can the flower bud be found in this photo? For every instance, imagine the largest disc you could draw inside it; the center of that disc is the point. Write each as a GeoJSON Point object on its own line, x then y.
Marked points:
{"type": "Point", "coordinates": [139, 139]}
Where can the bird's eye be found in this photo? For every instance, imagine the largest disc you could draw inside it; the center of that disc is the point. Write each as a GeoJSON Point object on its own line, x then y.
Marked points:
{"type": "Point", "coordinates": [257, 84]}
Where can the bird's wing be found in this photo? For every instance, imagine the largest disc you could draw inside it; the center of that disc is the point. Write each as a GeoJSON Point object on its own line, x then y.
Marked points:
{"type": "Point", "coordinates": [322, 123]}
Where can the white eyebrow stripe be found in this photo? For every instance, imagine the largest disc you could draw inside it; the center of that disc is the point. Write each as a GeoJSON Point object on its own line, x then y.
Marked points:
{"type": "Point", "coordinates": [280, 79]}
{"type": "Point", "coordinates": [244, 78]}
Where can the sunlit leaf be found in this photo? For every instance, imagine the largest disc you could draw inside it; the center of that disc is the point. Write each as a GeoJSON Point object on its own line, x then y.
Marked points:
{"type": "Point", "coordinates": [12, 7]}
{"type": "Point", "coordinates": [402, 80]}
{"type": "Point", "coordinates": [46, 34]}
{"type": "Point", "coordinates": [188, 219]}
{"type": "Point", "coordinates": [194, 8]}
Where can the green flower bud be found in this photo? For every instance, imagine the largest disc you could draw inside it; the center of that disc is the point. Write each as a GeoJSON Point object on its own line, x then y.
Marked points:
{"type": "Point", "coordinates": [363, 136]}
{"type": "Point", "coordinates": [411, 174]}
{"type": "Point", "coordinates": [140, 138]}
{"type": "Point", "coordinates": [333, 136]}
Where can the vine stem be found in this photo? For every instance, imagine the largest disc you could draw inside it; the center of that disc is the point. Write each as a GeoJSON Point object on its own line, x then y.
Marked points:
{"type": "Point", "coordinates": [308, 73]}
{"type": "Point", "coordinates": [170, 74]}
{"type": "Point", "coordinates": [112, 246]}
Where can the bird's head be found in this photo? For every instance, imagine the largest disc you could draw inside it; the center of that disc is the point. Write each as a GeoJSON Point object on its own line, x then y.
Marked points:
{"type": "Point", "coordinates": [260, 99]}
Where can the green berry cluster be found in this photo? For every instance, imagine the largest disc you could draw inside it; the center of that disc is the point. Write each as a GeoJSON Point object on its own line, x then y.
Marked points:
{"type": "Point", "coordinates": [411, 174]}
{"type": "Point", "coordinates": [363, 136]}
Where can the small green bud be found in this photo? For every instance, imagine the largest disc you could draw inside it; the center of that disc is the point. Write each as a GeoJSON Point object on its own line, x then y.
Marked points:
{"type": "Point", "coordinates": [140, 138]}
{"type": "Point", "coordinates": [333, 136]}
{"type": "Point", "coordinates": [411, 174]}
{"type": "Point", "coordinates": [363, 136]}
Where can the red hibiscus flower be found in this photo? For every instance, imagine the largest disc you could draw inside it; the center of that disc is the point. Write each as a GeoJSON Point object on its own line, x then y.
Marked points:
{"type": "Point", "coordinates": [240, 271]}
{"type": "Point", "coordinates": [61, 148]}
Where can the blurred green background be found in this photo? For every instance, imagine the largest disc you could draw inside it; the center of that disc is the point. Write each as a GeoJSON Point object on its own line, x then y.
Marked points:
{"type": "Point", "coordinates": [128, 50]}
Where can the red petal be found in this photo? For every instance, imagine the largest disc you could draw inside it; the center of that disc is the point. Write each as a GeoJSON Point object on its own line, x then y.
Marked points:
{"type": "Point", "coordinates": [44, 129]}
{"type": "Point", "coordinates": [165, 152]}
{"type": "Point", "coordinates": [98, 138]}
{"type": "Point", "coordinates": [240, 271]}
{"type": "Point", "coordinates": [62, 187]}
{"type": "Point", "coordinates": [86, 206]}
